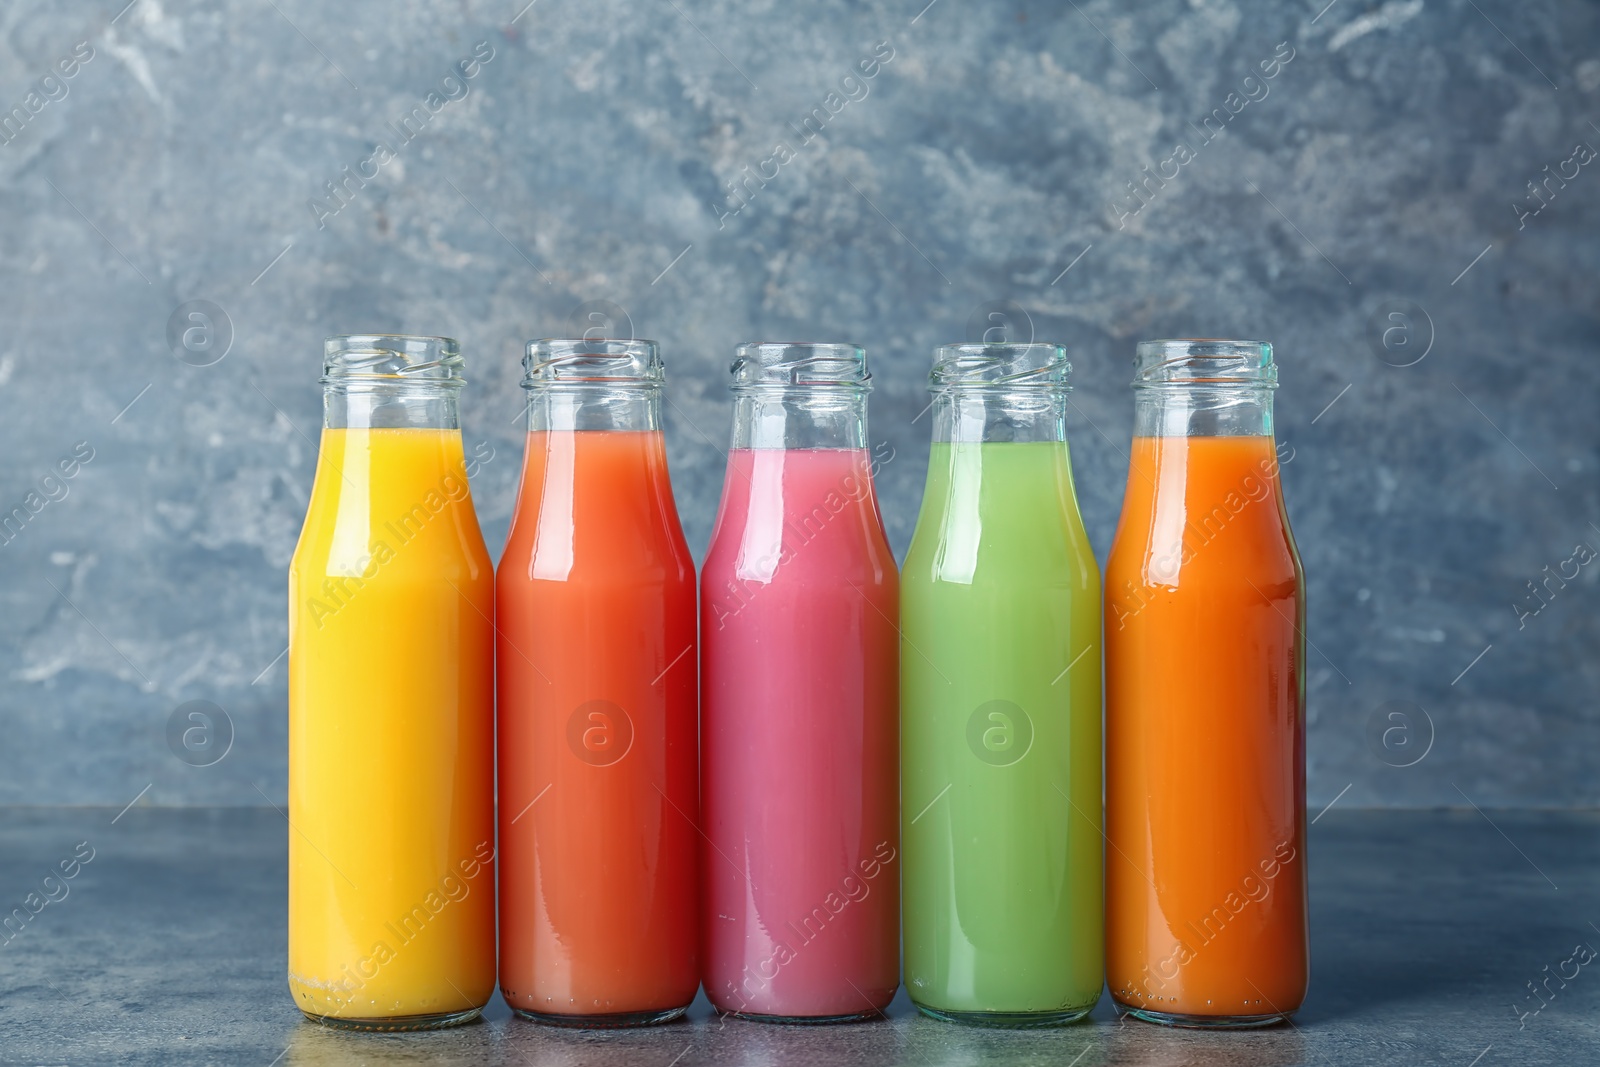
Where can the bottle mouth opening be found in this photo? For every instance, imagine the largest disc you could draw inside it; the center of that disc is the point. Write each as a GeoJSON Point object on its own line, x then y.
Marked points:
{"type": "Point", "coordinates": [1034, 365]}
{"type": "Point", "coordinates": [800, 363]}
{"type": "Point", "coordinates": [554, 361]}
{"type": "Point", "coordinates": [394, 358]}
{"type": "Point", "coordinates": [1204, 361]}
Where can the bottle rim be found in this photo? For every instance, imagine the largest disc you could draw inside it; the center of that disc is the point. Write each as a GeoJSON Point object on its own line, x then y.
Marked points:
{"type": "Point", "coordinates": [1204, 361]}
{"type": "Point", "coordinates": [556, 361]}
{"type": "Point", "coordinates": [804, 364]}
{"type": "Point", "coordinates": [393, 358]}
{"type": "Point", "coordinates": [1030, 365]}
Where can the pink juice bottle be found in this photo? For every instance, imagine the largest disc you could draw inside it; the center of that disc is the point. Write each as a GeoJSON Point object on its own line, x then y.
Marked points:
{"type": "Point", "coordinates": [799, 730]}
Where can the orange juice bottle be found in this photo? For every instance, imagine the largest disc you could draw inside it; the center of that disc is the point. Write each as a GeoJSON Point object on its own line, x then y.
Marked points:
{"type": "Point", "coordinates": [599, 770]}
{"type": "Point", "coordinates": [391, 704]}
{"type": "Point", "coordinates": [1205, 702]}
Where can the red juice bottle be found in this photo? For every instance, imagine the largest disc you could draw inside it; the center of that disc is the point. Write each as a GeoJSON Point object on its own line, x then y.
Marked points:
{"type": "Point", "coordinates": [596, 612]}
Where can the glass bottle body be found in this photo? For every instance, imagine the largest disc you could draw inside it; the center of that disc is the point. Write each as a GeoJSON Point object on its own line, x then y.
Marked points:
{"type": "Point", "coordinates": [799, 732]}
{"type": "Point", "coordinates": [1000, 677]}
{"type": "Point", "coordinates": [391, 704]}
{"type": "Point", "coordinates": [598, 703]}
{"type": "Point", "coordinates": [1205, 703]}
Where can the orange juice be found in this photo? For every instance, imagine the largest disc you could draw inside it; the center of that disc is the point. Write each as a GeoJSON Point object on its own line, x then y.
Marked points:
{"type": "Point", "coordinates": [1205, 738]}
{"type": "Point", "coordinates": [391, 737]}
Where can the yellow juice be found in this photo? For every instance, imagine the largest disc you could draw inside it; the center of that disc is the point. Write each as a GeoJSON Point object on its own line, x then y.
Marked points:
{"type": "Point", "coordinates": [391, 736]}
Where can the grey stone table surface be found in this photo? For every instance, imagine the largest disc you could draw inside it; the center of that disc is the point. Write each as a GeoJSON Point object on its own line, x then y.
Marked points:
{"type": "Point", "coordinates": [1430, 930]}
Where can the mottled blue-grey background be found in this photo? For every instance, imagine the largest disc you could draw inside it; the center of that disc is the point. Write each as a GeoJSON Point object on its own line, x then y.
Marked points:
{"type": "Point", "coordinates": [1385, 169]}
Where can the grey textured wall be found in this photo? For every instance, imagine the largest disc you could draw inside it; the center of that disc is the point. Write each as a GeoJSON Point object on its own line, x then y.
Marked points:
{"type": "Point", "coordinates": [1380, 169]}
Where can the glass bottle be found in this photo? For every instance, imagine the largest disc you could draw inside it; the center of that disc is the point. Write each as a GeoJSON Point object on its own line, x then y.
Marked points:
{"type": "Point", "coordinates": [1000, 706]}
{"type": "Point", "coordinates": [1205, 701]}
{"type": "Point", "coordinates": [599, 792]}
{"type": "Point", "coordinates": [799, 730]}
{"type": "Point", "coordinates": [391, 703]}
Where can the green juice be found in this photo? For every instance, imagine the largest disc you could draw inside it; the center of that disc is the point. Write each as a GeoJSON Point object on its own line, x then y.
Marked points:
{"type": "Point", "coordinates": [1000, 720]}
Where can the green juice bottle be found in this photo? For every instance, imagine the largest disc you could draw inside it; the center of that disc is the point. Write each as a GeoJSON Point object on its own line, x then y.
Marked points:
{"type": "Point", "coordinates": [1000, 704]}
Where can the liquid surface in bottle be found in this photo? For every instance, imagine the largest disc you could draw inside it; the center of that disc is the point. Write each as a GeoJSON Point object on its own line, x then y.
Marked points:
{"type": "Point", "coordinates": [1001, 725]}
{"type": "Point", "coordinates": [1205, 735]}
{"type": "Point", "coordinates": [391, 746]}
{"type": "Point", "coordinates": [800, 734]}
{"type": "Point", "coordinates": [598, 732]}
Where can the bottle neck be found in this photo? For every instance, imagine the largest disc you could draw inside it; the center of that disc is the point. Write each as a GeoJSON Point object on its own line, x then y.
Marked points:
{"type": "Point", "coordinates": [1198, 409]}
{"type": "Point", "coordinates": [811, 416]}
{"type": "Point", "coordinates": [972, 416]}
{"type": "Point", "coordinates": [570, 406]}
{"type": "Point", "coordinates": [414, 405]}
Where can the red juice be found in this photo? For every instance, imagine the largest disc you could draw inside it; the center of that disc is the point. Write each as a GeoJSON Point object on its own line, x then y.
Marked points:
{"type": "Point", "coordinates": [596, 617]}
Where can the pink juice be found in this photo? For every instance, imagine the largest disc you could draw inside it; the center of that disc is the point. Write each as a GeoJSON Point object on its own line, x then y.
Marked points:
{"type": "Point", "coordinates": [800, 740]}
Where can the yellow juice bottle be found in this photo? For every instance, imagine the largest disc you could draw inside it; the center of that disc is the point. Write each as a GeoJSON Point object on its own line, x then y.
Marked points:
{"type": "Point", "coordinates": [391, 704]}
